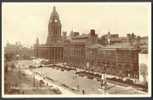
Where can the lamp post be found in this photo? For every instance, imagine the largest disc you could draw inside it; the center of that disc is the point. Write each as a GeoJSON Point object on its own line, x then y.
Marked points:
{"type": "Point", "coordinates": [103, 78]}
{"type": "Point", "coordinates": [75, 78]}
{"type": "Point", "coordinates": [34, 81]}
{"type": "Point", "coordinates": [19, 72]}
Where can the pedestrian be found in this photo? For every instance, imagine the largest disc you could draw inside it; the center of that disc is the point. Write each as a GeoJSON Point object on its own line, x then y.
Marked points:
{"type": "Point", "coordinates": [78, 87]}
{"type": "Point", "coordinates": [101, 85]}
{"type": "Point", "coordinates": [83, 92]}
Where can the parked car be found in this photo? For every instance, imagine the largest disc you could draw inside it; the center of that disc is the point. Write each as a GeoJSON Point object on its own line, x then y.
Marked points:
{"type": "Point", "coordinates": [13, 91]}
{"type": "Point", "coordinates": [45, 62]}
{"type": "Point", "coordinates": [128, 81]}
{"type": "Point", "coordinates": [56, 90]}
{"type": "Point", "coordinates": [90, 77]}
{"type": "Point", "coordinates": [42, 82]}
{"type": "Point", "coordinates": [40, 66]}
{"type": "Point", "coordinates": [31, 66]}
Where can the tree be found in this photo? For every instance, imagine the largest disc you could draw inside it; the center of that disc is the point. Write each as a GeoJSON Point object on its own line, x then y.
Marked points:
{"type": "Point", "coordinates": [103, 40]}
{"type": "Point", "coordinates": [138, 38]}
{"type": "Point", "coordinates": [131, 38]}
{"type": "Point", "coordinates": [9, 56]}
{"type": "Point", "coordinates": [144, 72]}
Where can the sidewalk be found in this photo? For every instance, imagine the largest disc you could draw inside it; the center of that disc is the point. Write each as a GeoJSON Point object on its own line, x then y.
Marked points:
{"type": "Point", "coordinates": [50, 83]}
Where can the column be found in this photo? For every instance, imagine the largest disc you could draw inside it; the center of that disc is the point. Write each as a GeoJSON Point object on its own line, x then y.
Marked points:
{"type": "Point", "coordinates": [59, 52]}
{"type": "Point", "coordinates": [56, 56]}
{"type": "Point", "coordinates": [53, 54]}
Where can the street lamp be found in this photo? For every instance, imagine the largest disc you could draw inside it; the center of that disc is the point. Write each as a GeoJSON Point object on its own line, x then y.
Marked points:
{"type": "Point", "coordinates": [77, 81]}
{"type": "Point", "coordinates": [103, 78]}
{"type": "Point", "coordinates": [34, 81]}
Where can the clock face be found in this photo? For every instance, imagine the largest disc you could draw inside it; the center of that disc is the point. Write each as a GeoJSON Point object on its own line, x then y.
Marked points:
{"type": "Point", "coordinates": [55, 20]}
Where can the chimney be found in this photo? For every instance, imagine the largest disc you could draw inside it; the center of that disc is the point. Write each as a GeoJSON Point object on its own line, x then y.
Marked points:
{"type": "Point", "coordinates": [37, 41]}
{"type": "Point", "coordinates": [92, 32]}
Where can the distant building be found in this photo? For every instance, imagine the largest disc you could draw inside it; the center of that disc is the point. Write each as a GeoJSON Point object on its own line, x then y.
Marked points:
{"type": "Point", "coordinates": [83, 37]}
{"type": "Point", "coordinates": [143, 43]}
{"type": "Point", "coordinates": [89, 38]}
{"type": "Point", "coordinates": [110, 39]}
{"type": "Point", "coordinates": [64, 36]}
{"type": "Point", "coordinates": [12, 50]}
{"type": "Point", "coordinates": [74, 34]}
{"type": "Point", "coordinates": [144, 40]}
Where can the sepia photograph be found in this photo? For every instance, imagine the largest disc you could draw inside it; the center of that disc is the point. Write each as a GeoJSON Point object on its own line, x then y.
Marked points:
{"type": "Point", "coordinates": [76, 49]}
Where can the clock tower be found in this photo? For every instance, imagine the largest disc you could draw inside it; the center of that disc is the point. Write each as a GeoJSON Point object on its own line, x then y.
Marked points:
{"type": "Point", "coordinates": [54, 28]}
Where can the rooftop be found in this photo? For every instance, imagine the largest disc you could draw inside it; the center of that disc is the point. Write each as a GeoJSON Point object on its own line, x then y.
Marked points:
{"type": "Point", "coordinates": [120, 46]}
{"type": "Point", "coordinates": [92, 46]}
{"type": "Point", "coordinates": [81, 36]}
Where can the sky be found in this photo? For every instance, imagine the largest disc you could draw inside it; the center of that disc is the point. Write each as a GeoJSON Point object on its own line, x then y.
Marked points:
{"type": "Point", "coordinates": [25, 22]}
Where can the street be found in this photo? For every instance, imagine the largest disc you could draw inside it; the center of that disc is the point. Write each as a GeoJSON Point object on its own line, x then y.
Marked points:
{"type": "Point", "coordinates": [69, 81]}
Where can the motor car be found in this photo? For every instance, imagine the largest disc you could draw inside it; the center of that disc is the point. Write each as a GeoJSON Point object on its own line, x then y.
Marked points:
{"type": "Point", "coordinates": [42, 82]}
{"type": "Point", "coordinates": [40, 66]}
{"type": "Point", "coordinates": [50, 86]}
{"type": "Point", "coordinates": [23, 74]}
{"type": "Point", "coordinates": [98, 79]}
{"type": "Point", "coordinates": [56, 90]}
{"type": "Point", "coordinates": [81, 75]}
{"type": "Point", "coordinates": [13, 91]}
{"type": "Point", "coordinates": [128, 81]}
{"type": "Point", "coordinates": [31, 66]}
{"type": "Point", "coordinates": [45, 62]}
{"type": "Point", "coordinates": [90, 77]}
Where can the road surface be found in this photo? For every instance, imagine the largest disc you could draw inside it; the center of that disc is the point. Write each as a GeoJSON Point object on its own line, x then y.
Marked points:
{"type": "Point", "coordinates": [68, 78]}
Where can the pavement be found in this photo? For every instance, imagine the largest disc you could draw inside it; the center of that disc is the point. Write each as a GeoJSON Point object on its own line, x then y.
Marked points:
{"type": "Point", "coordinates": [48, 82]}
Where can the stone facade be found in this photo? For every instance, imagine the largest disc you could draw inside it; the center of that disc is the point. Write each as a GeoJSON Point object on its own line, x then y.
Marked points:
{"type": "Point", "coordinates": [74, 54]}
{"type": "Point", "coordinates": [119, 61]}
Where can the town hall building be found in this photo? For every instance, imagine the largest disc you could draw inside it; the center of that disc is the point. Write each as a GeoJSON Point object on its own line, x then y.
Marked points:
{"type": "Point", "coordinates": [83, 51]}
